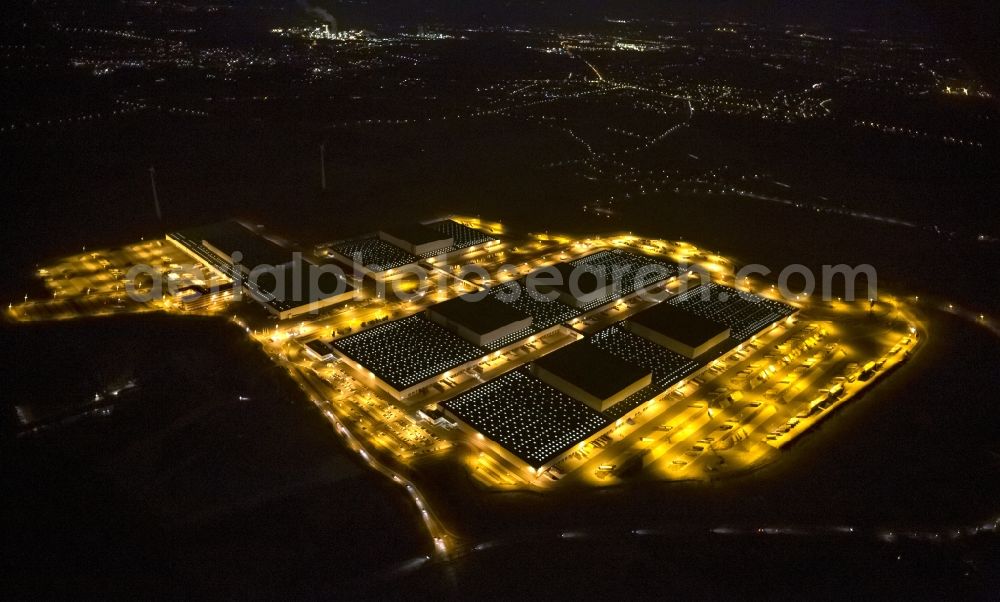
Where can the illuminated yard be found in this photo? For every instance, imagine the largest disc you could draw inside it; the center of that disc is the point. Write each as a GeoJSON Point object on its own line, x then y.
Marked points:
{"type": "Point", "coordinates": [400, 386]}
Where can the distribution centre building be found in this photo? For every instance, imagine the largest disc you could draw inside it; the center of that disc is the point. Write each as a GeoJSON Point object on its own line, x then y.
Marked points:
{"type": "Point", "coordinates": [577, 285]}
{"type": "Point", "coordinates": [374, 257]}
{"type": "Point", "coordinates": [286, 286]}
{"type": "Point", "coordinates": [678, 329]}
{"type": "Point", "coordinates": [465, 239]}
{"type": "Point", "coordinates": [225, 239]}
{"type": "Point", "coordinates": [417, 239]}
{"type": "Point", "coordinates": [480, 319]}
{"type": "Point", "coordinates": [592, 375]}
{"type": "Point", "coordinates": [300, 288]}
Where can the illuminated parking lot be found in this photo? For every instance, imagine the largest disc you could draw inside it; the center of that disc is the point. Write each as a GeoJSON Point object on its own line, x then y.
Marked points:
{"type": "Point", "coordinates": [409, 351]}
{"type": "Point", "coordinates": [745, 313]}
{"type": "Point", "coordinates": [783, 368]}
{"type": "Point", "coordinates": [532, 420]}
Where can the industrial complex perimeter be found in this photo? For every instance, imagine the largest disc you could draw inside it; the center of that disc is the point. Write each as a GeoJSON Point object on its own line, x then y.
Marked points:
{"type": "Point", "coordinates": [672, 374]}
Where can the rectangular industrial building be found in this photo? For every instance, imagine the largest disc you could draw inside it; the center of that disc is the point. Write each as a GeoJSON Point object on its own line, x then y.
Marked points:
{"type": "Point", "coordinates": [480, 319]}
{"type": "Point", "coordinates": [416, 239]}
{"type": "Point", "coordinates": [577, 285]}
{"type": "Point", "coordinates": [412, 353]}
{"type": "Point", "coordinates": [544, 313]}
{"type": "Point", "coordinates": [590, 374]}
{"type": "Point", "coordinates": [668, 367]}
{"type": "Point", "coordinates": [529, 421]}
{"type": "Point", "coordinates": [319, 349]}
{"type": "Point", "coordinates": [744, 313]}
{"type": "Point", "coordinates": [679, 330]}
{"type": "Point", "coordinates": [226, 239]}
{"type": "Point", "coordinates": [607, 276]}
{"type": "Point", "coordinates": [299, 288]}
{"type": "Point", "coordinates": [405, 355]}
{"type": "Point", "coordinates": [464, 238]}
{"type": "Point", "coordinates": [373, 256]}
{"type": "Point", "coordinates": [268, 272]}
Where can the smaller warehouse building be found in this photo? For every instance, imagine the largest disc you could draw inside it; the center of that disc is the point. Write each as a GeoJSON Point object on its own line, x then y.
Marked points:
{"type": "Point", "coordinates": [417, 239]}
{"type": "Point", "coordinates": [482, 321]}
{"type": "Point", "coordinates": [374, 258]}
{"type": "Point", "coordinates": [678, 329]}
{"type": "Point", "coordinates": [465, 239]}
{"type": "Point", "coordinates": [319, 350]}
{"type": "Point", "coordinates": [590, 374]}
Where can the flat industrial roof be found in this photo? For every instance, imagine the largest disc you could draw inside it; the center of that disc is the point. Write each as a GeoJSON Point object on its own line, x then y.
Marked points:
{"type": "Point", "coordinates": [744, 313]}
{"type": "Point", "coordinates": [591, 368]}
{"type": "Point", "coordinates": [667, 366]}
{"type": "Point", "coordinates": [463, 236]}
{"type": "Point", "coordinates": [637, 271]}
{"type": "Point", "coordinates": [587, 279]}
{"type": "Point", "coordinates": [375, 254]}
{"type": "Point", "coordinates": [231, 236]}
{"type": "Point", "coordinates": [290, 290]}
{"type": "Point", "coordinates": [679, 324]}
{"type": "Point", "coordinates": [480, 316]}
{"type": "Point", "coordinates": [319, 348]}
{"type": "Point", "coordinates": [532, 420]}
{"type": "Point", "coordinates": [408, 351]}
{"type": "Point", "coordinates": [544, 312]}
{"type": "Point", "coordinates": [415, 234]}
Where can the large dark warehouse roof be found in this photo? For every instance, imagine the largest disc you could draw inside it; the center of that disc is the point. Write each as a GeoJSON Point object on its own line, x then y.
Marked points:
{"type": "Point", "coordinates": [482, 316]}
{"type": "Point", "coordinates": [679, 324]}
{"type": "Point", "coordinates": [592, 369]}
{"type": "Point", "coordinates": [587, 281]}
{"type": "Point", "coordinates": [230, 236]}
{"type": "Point", "coordinates": [415, 234]}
